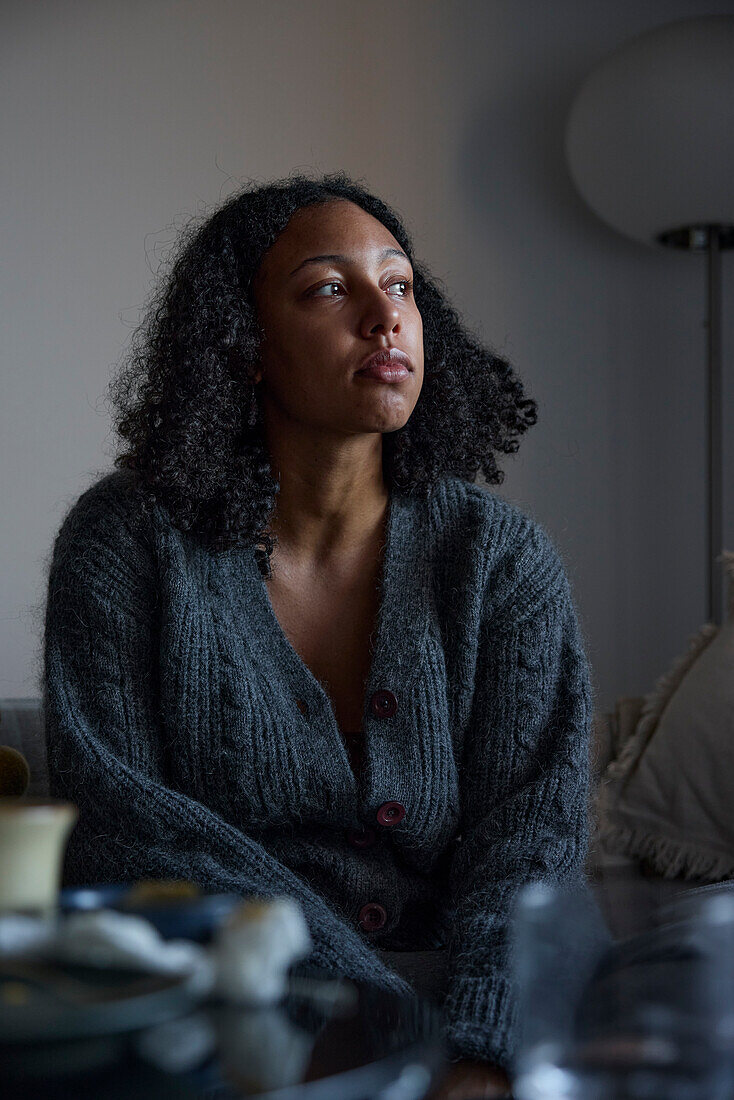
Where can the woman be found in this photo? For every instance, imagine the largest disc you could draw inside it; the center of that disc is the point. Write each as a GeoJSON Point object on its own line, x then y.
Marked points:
{"type": "Point", "coordinates": [291, 647]}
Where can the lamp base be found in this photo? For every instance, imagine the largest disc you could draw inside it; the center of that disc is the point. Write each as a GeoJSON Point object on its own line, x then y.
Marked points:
{"type": "Point", "coordinates": [695, 238]}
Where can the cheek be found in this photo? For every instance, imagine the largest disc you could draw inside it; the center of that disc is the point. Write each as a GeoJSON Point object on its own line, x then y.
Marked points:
{"type": "Point", "coordinates": [299, 386]}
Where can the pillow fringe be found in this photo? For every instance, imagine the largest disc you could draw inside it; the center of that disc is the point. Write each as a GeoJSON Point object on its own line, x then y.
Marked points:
{"type": "Point", "coordinates": [669, 858]}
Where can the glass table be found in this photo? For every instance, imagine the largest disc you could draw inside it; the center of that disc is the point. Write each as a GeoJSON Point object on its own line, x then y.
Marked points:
{"type": "Point", "coordinates": [363, 1043]}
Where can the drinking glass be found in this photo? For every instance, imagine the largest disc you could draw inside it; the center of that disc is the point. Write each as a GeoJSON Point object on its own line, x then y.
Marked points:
{"type": "Point", "coordinates": [33, 837]}
{"type": "Point", "coordinates": [626, 990]}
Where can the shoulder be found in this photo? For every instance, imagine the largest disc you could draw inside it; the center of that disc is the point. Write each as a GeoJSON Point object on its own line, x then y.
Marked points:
{"type": "Point", "coordinates": [519, 565]}
{"type": "Point", "coordinates": [108, 520]}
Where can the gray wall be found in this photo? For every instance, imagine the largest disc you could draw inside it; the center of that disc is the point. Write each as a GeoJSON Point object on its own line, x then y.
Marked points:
{"type": "Point", "coordinates": [121, 120]}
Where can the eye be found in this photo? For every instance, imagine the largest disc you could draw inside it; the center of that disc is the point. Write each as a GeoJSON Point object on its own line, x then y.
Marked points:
{"type": "Point", "coordinates": [407, 283]}
{"type": "Point", "coordinates": [325, 286]}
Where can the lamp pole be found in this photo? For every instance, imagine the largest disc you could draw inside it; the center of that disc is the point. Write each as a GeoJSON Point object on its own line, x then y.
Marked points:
{"type": "Point", "coordinates": [712, 239]}
{"type": "Point", "coordinates": [715, 433]}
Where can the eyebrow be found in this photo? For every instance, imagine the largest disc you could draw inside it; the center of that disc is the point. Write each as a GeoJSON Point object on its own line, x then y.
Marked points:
{"type": "Point", "coordinates": [339, 258]}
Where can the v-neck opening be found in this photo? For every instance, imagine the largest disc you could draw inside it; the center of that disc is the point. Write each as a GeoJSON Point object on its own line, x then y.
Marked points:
{"type": "Point", "coordinates": [280, 640]}
{"type": "Point", "coordinates": [405, 613]}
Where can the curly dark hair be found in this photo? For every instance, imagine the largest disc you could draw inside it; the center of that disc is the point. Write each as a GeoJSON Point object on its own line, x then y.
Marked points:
{"type": "Point", "coordinates": [185, 402]}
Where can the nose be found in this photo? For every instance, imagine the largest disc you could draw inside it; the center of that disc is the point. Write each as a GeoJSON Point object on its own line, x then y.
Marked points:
{"type": "Point", "coordinates": [379, 313]}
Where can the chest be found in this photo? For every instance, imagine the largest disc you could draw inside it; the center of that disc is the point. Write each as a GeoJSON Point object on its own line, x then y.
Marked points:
{"type": "Point", "coordinates": [235, 656]}
{"type": "Point", "coordinates": [331, 623]}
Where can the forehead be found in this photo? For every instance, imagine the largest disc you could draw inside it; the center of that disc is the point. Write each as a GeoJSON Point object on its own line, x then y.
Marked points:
{"type": "Point", "coordinates": [337, 226]}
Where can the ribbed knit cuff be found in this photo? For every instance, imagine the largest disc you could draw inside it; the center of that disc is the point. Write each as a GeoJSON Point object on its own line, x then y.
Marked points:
{"type": "Point", "coordinates": [480, 1019]}
{"type": "Point", "coordinates": [361, 967]}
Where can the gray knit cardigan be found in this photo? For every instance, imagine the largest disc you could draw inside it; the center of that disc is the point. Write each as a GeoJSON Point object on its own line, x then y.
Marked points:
{"type": "Point", "coordinates": [198, 745]}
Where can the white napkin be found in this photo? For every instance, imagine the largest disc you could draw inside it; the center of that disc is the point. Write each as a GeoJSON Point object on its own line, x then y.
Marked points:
{"type": "Point", "coordinates": [247, 962]}
{"type": "Point", "coordinates": [255, 946]}
{"type": "Point", "coordinates": [20, 935]}
{"type": "Point", "coordinates": [106, 939]}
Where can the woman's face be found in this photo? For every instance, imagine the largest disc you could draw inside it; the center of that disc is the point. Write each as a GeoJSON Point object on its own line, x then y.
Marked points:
{"type": "Point", "coordinates": [321, 318]}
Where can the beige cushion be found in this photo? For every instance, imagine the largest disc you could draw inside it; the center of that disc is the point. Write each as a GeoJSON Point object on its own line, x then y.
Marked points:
{"type": "Point", "coordinates": [669, 796]}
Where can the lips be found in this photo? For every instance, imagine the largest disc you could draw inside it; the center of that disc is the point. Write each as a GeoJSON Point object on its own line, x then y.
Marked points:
{"type": "Point", "coordinates": [387, 365]}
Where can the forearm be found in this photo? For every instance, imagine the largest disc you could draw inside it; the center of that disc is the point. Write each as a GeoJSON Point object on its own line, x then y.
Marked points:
{"type": "Point", "coordinates": [525, 814]}
{"type": "Point", "coordinates": [133, 827]}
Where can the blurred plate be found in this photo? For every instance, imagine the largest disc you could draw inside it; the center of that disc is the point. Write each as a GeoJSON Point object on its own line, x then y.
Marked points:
{"type": "Point", "coordinates": [194, 918]}
{"type": "Point", "coordinates": [71, 1002]}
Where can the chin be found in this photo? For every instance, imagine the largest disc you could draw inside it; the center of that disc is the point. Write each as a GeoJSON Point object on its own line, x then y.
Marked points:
{"type": "Point", "coordinates": [387, 417]}
{"type": "Point", "coordinates": [387, 425]}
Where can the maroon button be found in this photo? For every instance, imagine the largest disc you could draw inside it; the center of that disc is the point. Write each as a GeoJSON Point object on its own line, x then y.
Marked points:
{"type": "Point", "coordinates": [372, 916]}
{"type": "Point", "coordinates": [390, 813]}
{"type": "Point", "coordinates": [362, 838]}
{"type": "Point", "coordinates": [384, 704]}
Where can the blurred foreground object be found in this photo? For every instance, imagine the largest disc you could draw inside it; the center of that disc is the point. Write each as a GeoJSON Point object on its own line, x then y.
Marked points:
{"type": "Point", "coordinates": [642, 1014]}
{"type": "Point", "coordinates": [255, 946]}
{"type": "Point", "coordinates": [33, 837]}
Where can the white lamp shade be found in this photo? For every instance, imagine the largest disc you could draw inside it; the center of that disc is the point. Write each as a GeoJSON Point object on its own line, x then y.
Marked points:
{"type": "Point", "coordinates": [650, 135]}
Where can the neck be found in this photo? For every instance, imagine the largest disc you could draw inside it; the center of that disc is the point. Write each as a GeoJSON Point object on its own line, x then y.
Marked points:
{"type": "Point", "coordinates": [332, 503]}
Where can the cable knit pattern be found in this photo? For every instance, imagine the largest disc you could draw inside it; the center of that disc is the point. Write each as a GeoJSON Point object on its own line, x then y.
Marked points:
{"type": "Point", "coordinates": [198, 745]}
